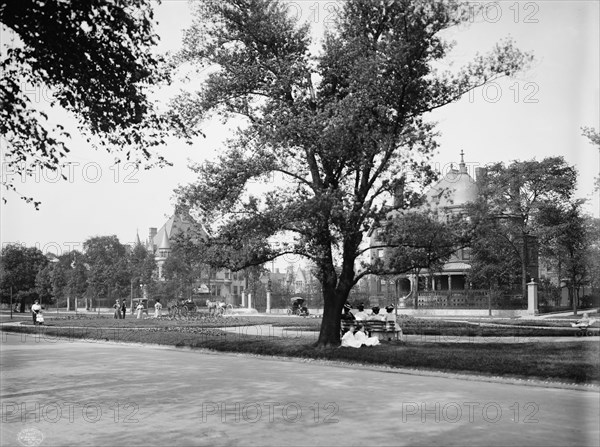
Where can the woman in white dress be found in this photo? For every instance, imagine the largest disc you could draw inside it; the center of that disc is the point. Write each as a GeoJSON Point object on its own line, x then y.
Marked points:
{"type": "Point", "coordinates": [349, 340]}
{"type": "Point", "coordinates": [139, 309]}
{"type": "Point", "coordinates": [157, 308]}
{"type": "Point", "coordinates": [362, 338]}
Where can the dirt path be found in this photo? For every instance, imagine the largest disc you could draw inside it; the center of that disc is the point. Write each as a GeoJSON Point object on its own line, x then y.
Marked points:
{"type": "Point", "coordinates": [108, 394]}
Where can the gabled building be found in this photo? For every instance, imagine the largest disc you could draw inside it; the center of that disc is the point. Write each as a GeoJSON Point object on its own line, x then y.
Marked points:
{"type": "Point", "coordinates": [224, 284]}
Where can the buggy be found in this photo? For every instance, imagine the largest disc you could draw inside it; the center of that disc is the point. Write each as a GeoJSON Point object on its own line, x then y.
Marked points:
{"type": "Point", "coordinates": [583, 325]}
{"type": "Point", "coordinates": [298, 307]}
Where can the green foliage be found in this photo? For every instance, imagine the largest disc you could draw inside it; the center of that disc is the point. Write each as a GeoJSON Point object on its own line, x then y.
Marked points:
{"type": "Point", "coordinates": [141, 265]}
{"type": "Point", "coordinates": [19, 267]}
{"type": "Point", "coordinates": [95, 60]}
{"type": "Point", "coordinates": [509, 219]}
{"type": "Point", "coordinates": [422, 240]}
{"type": "Point", "coordinates": [571, 243]}
{"type": "Point", "coordinates": [108, 273]}
{"type": "Point", "coordinates": [341, 127]}
{"type": "Point", "coordinates": [594, 136]}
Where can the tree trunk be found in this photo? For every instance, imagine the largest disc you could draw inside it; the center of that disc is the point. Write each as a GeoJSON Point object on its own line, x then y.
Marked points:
{"type": "Point", "coordinates": [335, 295]}
{"type": "Point", "coordinates": [524, 266]}
{"type": "Point", "coordinates": [416, 292]}
{"type": "Point", "coordinates": [574, 295]}
{"type": "Point", "coordinates": [330, 326]}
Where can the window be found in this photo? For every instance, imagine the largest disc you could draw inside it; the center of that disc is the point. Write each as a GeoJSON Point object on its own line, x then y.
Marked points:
{"type": "Point", "coordinates": [466, 254]}
{"type": "Point", "coordinates": [235, 290]}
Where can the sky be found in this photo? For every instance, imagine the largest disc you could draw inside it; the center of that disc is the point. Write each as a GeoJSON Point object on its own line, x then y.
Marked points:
{"type": "Point", "coordinates": [537, 114]}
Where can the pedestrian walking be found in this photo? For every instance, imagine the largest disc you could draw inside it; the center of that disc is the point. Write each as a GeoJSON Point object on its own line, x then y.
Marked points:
{"type": "Point", "coordinates": [35, 310]}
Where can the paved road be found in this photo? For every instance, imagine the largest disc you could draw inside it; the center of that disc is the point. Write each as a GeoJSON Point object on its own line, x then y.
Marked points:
{"type": "Point", "coordinates": [96, 393]}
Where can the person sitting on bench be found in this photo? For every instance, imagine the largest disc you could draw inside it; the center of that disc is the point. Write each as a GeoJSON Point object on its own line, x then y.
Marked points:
{"type": "Point", "coordinates": [361, 315]}
{"type": "Point", "coordinates": [376, 316]}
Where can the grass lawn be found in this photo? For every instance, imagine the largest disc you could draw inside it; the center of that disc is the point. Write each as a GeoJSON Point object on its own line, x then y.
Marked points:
{"type": "Point", "coordinates": [575, 361]}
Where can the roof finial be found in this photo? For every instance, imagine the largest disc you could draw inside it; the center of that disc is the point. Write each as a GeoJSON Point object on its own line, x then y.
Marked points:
{"type": "Point", "coordinates": [462, 167]}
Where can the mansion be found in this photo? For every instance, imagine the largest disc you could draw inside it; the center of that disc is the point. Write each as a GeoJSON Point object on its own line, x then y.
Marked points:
{"type": "Point", "coordinates": [224, 284]}
{"type": "Point", "coordinates": [449, 195]}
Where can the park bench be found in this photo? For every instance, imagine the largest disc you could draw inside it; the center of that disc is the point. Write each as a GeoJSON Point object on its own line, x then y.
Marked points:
{"type": "Point", "coordinates": [375, 328]}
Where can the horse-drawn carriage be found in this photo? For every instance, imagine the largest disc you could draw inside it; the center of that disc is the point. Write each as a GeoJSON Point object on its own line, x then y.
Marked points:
{"type": "Point", "coordinates": [298, 307]}
{"type": "Point", "coordinates": [182, 308]}
{"type": "Point", "coordinates": [216, 307]}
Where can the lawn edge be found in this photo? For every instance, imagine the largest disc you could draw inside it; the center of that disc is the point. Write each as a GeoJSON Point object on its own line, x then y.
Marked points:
{"type": "Point", "coordinates": [534, 381]}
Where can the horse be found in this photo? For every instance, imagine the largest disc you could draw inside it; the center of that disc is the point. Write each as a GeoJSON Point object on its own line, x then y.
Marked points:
{"type": "Point", "coordinates": [215, 306]}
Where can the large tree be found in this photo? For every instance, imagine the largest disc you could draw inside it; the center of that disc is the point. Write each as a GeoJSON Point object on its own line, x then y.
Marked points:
{"type": "Point", "coordinates": [510, 200]}
{"type": "Point", "coordinates": [571, 242]}
{"type": "Point", "coordinates": [77, 283]}
{"type": "Point", "coordinates": [19, 267]}
{"type": "Point", "coordinates": [142, 266]}
{"type": "Point", "coordinates": [108, 274]}
{"type": "Point", "coordinates": [93, 58]}
{"type": "Point", "coordinates": [339, 126]}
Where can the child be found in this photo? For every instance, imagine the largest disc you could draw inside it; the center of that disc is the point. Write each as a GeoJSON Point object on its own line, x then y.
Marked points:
{"type": "Point", "coordinates": [349, 340]}
{"type": "Point", "coordinates": [362, 338]}
{"type": "Point", "coordinates": [157, 308]}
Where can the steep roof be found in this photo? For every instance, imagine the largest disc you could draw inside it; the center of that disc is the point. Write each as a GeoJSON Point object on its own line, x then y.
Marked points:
{"type": "Point", "coordinates": [177, 223]}
{"type": "Point", "coordinates": [164, 243]}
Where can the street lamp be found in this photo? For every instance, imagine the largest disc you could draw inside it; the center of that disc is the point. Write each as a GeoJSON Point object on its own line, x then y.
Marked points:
{"type": "Point", "coordinates": [131, 292]}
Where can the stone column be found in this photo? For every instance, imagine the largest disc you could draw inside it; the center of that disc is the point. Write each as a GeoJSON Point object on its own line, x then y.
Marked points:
{"type": "Point", "coordinates": [244, 298]}
{"type": "Point", "coordinates": [268, 301]}
{"type": "Point", "coordinates": [532, 298]}
{"type": "Point", "coordinates": [249, 301]}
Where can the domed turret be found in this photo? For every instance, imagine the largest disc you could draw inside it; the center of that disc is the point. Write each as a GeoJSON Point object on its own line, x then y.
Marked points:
{"type": "Point", "coordinates": [455, 189]}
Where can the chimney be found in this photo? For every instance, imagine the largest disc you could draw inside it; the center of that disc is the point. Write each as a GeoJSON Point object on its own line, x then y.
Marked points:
{"type": "Point", "coordinates": [399, 193]}
{"type": "Point", "coordinates": [480, 174]}
{"type": "Point", "coordinates": [151, 237]}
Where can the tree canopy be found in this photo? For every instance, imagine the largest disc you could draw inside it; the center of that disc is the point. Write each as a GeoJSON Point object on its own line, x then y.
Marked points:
{"type": "Point", "coordinates": [19, 267]}
{"type": "Point", "coordinates": [108, 273]}
{"type": "Point", "coordinates": [341, 127]}
{"type": "Point", "coordinates": [94, 59]}
{"type": "Point", "coordinates": [508, 214]}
